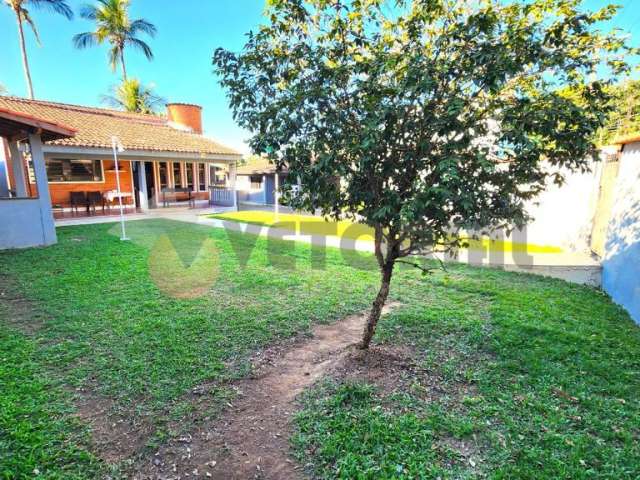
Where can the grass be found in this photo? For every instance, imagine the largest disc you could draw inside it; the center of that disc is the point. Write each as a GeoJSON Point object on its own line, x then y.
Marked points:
{"type": "Point", "coordinates": [311, 225]}
{"type": "Point", "coordinates": [538, 377]}
{"type": "Point", "coordinates": [518, 377]}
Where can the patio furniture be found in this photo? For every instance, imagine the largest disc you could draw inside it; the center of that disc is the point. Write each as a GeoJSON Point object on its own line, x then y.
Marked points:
{"type": "Point", "coordinates": [78, 199]}
{"type": "Point", "coordinates": [111, 198]}
{"type": "Point", "coordinates": [93, 199]}
{"type": "Point", "coordinates": [176, 195]}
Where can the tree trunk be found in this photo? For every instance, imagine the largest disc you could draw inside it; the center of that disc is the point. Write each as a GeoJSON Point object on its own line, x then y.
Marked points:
{"type": "Point", "coordinates": [376, 309]}
{"type": "Point", "coordinates": [124, 69]}
{"type": "Point", "coordinates": [25, 62]}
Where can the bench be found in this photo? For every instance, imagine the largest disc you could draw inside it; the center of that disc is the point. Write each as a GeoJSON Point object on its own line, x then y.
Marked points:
{"type": "Point", "coordinates": [177, 195]}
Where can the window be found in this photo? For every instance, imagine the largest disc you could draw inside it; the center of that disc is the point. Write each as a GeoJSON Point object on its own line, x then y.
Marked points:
{"type": "Point", "coordinates": [162, 172]}
{"type": "Point", "coordinates": [256, 182]}
{"type": "Point", "coordinates": [202, 181]}
{"type": "Point", "coordinates": [189, 171]}
{"type": "Point", "coordinates": [72, 170]}
{"type": "Point", "coordinates": [217, 176]}
{"type": "Point", "coordinates": [177, 175]}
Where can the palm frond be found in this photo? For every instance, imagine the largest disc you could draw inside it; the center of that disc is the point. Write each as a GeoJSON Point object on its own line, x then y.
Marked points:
{"type": "Point", "coordinates": [24, 15]}
{"type": "Point", "coordinates": [57, 6]}
{"type": "Point", "coordinates": [84, 40]}
{"type": "Point", "coordinates": [143, 26]}
{"type": "Point", "coordinates": [140, 45]}
{"type": "Point", "coordinates": [132, 96]}
{"type": "Point", "coordinates": [88, 12]}
{"type": "Point", "coordinates": [114, 57]}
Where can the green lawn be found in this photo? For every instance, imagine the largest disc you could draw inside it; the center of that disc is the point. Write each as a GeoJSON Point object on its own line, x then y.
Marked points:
{"type": "Point", "coordinates": [534, 377]}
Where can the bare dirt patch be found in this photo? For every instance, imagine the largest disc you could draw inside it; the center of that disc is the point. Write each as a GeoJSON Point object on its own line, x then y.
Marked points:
{"type": "Point", "coordinates": [116, 434]}
{"type": "Point", "coordinates": [250, 439]}
{"type": "Point", "coordinates": [20, 312]}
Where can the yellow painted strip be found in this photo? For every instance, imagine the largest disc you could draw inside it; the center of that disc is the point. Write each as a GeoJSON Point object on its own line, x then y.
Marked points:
{"type": "Point", "coordinates": [308, 225]}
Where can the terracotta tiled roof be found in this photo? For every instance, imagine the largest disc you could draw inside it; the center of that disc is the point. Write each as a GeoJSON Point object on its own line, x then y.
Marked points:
{"type": "Point", "coordinates": [95, 127]}
{"type": "Point", "coordinates": [257, 166]}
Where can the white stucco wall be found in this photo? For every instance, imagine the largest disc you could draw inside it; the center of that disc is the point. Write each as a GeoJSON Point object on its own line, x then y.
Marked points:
{"type": "Point", "coordinates": [621, 262]}
{"type": "Point", "coordinates": [563, 216]}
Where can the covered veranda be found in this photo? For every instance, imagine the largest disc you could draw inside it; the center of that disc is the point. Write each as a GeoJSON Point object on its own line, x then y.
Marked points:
{"type": "Point", "coordinates": [26, 218]}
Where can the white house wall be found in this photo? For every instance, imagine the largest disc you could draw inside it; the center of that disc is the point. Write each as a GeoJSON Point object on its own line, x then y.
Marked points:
{"type": "Point", "coordinates": [563, 216]}
{"type": "Point", "coordinates": [621, 262]}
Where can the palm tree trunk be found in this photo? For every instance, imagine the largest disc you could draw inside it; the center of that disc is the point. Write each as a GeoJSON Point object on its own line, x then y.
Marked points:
{"type": "Point", "coordinates": [124, 68]}
{"type": "Point", "coordinates": [376, 308]}
{"type": "Point", "coordinates": [25, 61]}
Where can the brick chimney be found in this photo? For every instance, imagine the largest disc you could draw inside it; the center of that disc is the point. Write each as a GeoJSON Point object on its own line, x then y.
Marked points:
{"type": "Point", "coordinates": [185, 116]}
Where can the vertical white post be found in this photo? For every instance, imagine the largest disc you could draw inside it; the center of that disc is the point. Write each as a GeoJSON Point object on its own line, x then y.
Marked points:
{"type": "Point", "coordinates": [233, 173]}
{"type": "Point", "coordinates": [276, 196]}
{"type": "Point", "coordinates": [115, 145]}
{"type": "Point", "coordinates": [17, 164]}
{"type": "Point", "coordinates": [142, 186]}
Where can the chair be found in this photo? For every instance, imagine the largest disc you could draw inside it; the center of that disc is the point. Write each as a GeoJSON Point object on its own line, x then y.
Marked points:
{"type": "Point", "coordinates": [93, 199]}
{"type": "Point", "coordinates": [78, 199]}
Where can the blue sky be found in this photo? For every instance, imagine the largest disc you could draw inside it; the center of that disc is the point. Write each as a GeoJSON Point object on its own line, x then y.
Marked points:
{"type": "Point", "coordinates": [188, 33]}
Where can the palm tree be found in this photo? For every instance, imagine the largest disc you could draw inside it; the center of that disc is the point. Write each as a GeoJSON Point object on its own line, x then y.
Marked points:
{"type": "Point", "coordinates": [114, 26]}
{"type": "Point", "coordinates": [132, 96]}
{"type": "Point", "coordinates": [19, 7]}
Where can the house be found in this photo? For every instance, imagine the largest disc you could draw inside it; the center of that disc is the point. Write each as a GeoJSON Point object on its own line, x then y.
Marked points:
{"type": "Point", "coordinates": [165, 160]}
{"type": "Point", "coordinates": [257, 182]}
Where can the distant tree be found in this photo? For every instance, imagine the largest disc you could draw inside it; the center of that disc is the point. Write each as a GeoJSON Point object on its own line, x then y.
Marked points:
{"type": "Point", "coordinates": [114, 26]}
{"type": "Point", "coordinates": [3, 89]}
{"type": "Point", "coordinates": [424, 119]}
{"type": "Point", "coordinates": [624, 118]}
{"type": "Point", "coordinates": [19, 7]}
{"type": "Point", "coordinates": [132, 96]}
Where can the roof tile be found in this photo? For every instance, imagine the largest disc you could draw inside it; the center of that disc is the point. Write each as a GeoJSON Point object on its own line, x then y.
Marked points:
{"type": "Point", "coordinates": [96, 126]}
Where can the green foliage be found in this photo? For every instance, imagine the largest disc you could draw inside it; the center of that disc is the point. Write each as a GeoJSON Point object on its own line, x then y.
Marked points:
{"type": "Point", "coordinates": [114, 26]}
{"type": "Point", "coordinates": [424, 118]}
{"type": "Point", "coordinates": [624, 118]}
{"type": "Point", "coordinates": [133, 96]}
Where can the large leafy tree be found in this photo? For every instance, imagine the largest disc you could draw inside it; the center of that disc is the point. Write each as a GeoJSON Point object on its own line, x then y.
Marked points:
{"type": "Point", "coordinates": [624, 118]}
{"type": "Point", "coordinates": [132, 96]}
{"type": "Point", "coordinates": [424, 119]}
{"type": "Point", "coordinates": [21, 10]}
{"type": "Point", "coordinates": [114, 26]}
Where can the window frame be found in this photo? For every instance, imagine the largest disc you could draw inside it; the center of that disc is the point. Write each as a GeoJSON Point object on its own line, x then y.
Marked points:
{"type": "Point", "coordinates": [67, 182]}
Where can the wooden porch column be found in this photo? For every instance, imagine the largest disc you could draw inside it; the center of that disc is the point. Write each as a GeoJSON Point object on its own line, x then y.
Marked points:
{"type": "Point", "coordinates": [17, 166]}
{"type": "Point", "coordinates": [44, 198]}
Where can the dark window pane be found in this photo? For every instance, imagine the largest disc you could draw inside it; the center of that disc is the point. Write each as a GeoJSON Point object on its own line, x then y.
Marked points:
{"type": "Point", "coordinates": [162, 171]}
{"type": "Point", "coordinates": [188, 167]}
{"type": "Point", "coordinates": [67, 170]}
{"type": "Point", "coordinates": [201, 177]}
{"type": "Point", "coordinates": [177, 175]}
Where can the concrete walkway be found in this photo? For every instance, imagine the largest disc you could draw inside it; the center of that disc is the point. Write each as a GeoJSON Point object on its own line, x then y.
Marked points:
{"type": "Point", "coordinates": [574, 267]}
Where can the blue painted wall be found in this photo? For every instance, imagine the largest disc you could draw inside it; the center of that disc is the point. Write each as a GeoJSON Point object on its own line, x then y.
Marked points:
{"type": "Point", "coordinates": [621, 262]}
{"type": "Point", "coordinates": [22, 224]}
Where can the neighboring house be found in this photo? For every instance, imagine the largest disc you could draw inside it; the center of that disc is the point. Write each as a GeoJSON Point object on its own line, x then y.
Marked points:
{"type": "Point", "coordinates": [620, 213]}
{"type": "Point", "coordinates": [256, 182]}
{"type": "Point", "coordinates": [160, 154]}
